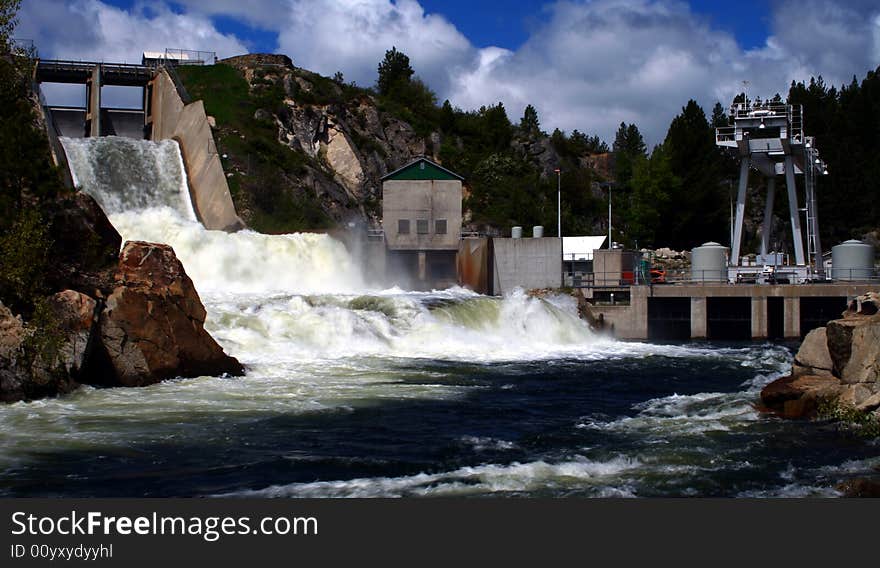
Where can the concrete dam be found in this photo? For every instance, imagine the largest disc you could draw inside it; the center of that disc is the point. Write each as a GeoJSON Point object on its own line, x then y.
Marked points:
{"type": "Point", "coordinates": [167, 113]}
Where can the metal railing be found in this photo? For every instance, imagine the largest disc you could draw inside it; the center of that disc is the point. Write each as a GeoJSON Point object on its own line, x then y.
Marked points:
{"type": "Point", "coordinates": [686, 276]}
{"type": "Point", "coordinates": [176, 56]}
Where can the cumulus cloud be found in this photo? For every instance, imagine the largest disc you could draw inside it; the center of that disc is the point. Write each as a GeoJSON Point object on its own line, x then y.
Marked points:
{"type": "Point", "coordinates": [352, 36]}
{"type": "Point", "coordinates": [592, 65]}
{"type": "Point", "coordinates": [93, 30]}
{"type": "Point", "coordinates": [589, 64]}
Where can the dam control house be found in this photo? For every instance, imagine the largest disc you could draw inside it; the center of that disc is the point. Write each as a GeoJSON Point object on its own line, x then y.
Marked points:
{"type": "Point", "coordinates": [421, 218]}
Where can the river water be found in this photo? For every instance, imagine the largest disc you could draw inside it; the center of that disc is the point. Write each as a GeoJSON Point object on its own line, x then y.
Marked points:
{"type": "Point", "coordinates": [357, 391]}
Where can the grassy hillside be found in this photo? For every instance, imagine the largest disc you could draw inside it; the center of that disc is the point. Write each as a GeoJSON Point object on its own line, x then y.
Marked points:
{"type": "Point", "coordinates": [262, 169]}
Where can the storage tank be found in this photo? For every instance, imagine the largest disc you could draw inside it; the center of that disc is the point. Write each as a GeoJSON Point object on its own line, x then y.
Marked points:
{"type": "Point", "coordinates": [516, 233]}
{"type": "Point", "coordinates": [852, 260]}
{"type": "Point", "coordinates": [709, 263]}
{"type": "Point", "coordinates": [537, 232]}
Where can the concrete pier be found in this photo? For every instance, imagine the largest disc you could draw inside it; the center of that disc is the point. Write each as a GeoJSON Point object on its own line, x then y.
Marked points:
{"type": "Point", "coordinates": [722, 311]}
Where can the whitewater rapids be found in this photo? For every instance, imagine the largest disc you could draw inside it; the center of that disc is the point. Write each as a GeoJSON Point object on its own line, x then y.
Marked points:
{"type": "Point", "coordinates": [288, 298]}
{"type": "Point", "coordinates": [357, 391]}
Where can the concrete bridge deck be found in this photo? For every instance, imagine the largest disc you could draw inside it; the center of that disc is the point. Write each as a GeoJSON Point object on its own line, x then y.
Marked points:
{"type": "Point", "coordinates": [80, 72]}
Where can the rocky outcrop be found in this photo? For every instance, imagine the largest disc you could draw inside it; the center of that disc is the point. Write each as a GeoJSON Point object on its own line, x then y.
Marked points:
{"type": "Point", "coordinates": [800, 396]}
{"type": "Point", "coordinates": [132, 320]}
{"type": "Point", "coordinates": [813, 357]}
{"type": "Point", "coordinates": [85, 246]}
{"type": "Point", "coordinates": [13, 385]}
{"type": "Point", "coordinates": [838, 364]}
{"type": "Point", "coordinates": [35, 363]}
{"type": "Point", "coordinates": [152, 327]}
{"type": "Point", "coordinates": [342, 158]}
{"type": "Point", "coordinates": [76, 315]}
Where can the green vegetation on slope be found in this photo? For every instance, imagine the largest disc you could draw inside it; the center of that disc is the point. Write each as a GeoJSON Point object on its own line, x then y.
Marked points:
{"type": "Point", "coordinates": [28, 181]}
{"type": "Point", "coordinates": [259, 163]}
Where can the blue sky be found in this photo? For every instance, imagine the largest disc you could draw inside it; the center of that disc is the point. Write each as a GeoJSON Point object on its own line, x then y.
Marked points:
{"type": "Point", "coordinates": [507, 24]}
{"type": "Point", "coordinates": [585, 64]}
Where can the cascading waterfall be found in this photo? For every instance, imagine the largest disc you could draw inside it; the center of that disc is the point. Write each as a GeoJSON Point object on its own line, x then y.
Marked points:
{"type": "Point", "coordinates": [303, 295]}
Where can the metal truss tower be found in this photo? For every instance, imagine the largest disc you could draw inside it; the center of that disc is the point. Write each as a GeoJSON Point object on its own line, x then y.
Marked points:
{"type": "Point", "coordinates": [769, 138]}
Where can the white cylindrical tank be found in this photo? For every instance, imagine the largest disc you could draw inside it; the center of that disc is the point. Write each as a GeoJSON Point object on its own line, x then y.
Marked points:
{"type": "Point", "coordinates": [709, 263]}
{"type": "Point", "coordinates": [537, 232]}
{"type": "Point", "coordinates": [852, 260]}
{"type": "Point", "coordinates": [516, 232]}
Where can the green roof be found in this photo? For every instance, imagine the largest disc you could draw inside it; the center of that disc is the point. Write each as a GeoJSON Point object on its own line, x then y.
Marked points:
{"type": "Point", "coordinates": [422, 169]}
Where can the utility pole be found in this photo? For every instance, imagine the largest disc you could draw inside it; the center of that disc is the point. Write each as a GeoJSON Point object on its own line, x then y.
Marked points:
{"type": "Point", "coordinates": [609, 216]}
{"type": "Point", "coordinates": [558, 202]}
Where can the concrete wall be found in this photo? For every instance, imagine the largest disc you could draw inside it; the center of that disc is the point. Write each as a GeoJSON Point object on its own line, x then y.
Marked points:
{"type": "Point", "coordinates": [631, 322]}
{"type": "Point", "coordinates": [428, 200]}
{"type": "Point", "coordinates": [170, 118]}
{"type": "Point", "coordinates": [526, 263]}
{"type": "Point", "coordinates": [474, 263]}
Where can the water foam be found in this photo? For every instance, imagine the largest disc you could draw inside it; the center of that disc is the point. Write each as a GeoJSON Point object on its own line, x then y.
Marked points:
{"type": "Point", "coordinates": [577, 473]}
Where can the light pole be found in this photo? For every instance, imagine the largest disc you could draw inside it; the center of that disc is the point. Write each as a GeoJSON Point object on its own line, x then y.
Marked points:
{"type": "Point", "coordinates": [609, 216]}
{"type": "Point", "coordinates": [558, 202]}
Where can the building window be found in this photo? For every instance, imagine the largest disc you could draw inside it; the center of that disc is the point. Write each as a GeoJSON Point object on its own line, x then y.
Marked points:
{"type": "Point", "coordinates": [403, 226]}
{"type": "Point", "coordinates": [422, 226]}
{"type": "Point", "coordinates": [440, 226]}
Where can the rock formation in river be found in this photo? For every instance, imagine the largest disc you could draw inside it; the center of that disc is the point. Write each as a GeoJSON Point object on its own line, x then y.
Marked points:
{"type": "Point", "coordinates": [837, 366]}
{"type": "Point", "coordinates": [129, 319]}
{"type": "Point", "coordinates": [152, 325]}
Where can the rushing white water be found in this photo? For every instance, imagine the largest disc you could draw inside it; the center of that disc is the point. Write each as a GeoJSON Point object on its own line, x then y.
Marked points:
{"type": "Point", "coordinates": [319, 343]}
{"type": "Point", "coordinates": [302, 296]}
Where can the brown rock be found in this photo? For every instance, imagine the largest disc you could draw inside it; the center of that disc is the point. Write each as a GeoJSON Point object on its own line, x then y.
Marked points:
{"type": "Point", "coordinates": [860, 487]}
{"type": "Point", "coordinates": [85, 246]}
{"type": "Point", "coordinates": [76, 319]}
{"type": "Point", "coordinates": [12, 335]}
{"type": "Point", "coordinates": [799, 397]}
{"type": "Point", "coordinates": [854, 395]}
{"type": "Point", "coordinates": [869, 404]}
{"type": "Point", "coordinates": [26, 374]}
{"type": "Point", "coordinates": [813, 353]}
{"type": "Point", "coordinates": [854, 346]}
{"type": "Point", "coordinates": [153, 323]}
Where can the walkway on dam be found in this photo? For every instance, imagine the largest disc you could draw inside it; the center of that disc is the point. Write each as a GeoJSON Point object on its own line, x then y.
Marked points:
{"type": "Point", "coordinates": [79, 72]}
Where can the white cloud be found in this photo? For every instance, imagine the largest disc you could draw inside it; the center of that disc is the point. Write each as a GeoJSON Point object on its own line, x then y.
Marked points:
{"type": "Point", "coordinates": [589, 65]}
{"type": "Point", "coordinates": [352, 36]}
{"type": "Point", "coordinates": [93, 30]}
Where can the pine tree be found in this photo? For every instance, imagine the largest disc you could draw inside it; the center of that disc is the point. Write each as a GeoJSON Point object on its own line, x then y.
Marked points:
{"type": "Point", "coordinates": [394, 69]}
{"type": "Point", "coordinates": [628, 146]}
{"type": "Point", "coordinates": [529, 124]}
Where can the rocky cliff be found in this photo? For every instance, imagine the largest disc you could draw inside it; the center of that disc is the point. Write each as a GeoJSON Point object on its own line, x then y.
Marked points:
{"type": "Point", "coordinates": [339, 140]}
{"type": "Point", "coordinates": [836, 370]}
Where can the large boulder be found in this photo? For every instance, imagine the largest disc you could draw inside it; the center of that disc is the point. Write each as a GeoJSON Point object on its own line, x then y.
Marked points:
{"type": "Point", "coordinates": [813, 357]}
{"type": "Point", "coordinates": [152, 327]}
{"type": "Point", "coordinates": [85, 247]}
{"type": "Point", "coordinates": [799, 397]}
{"type": "Point", "coordinates": [839, 363]}
{"type": "Point", "coordinates": [37, 362]}
{"type": "Point", "coordinates": [854, 347]}
{"type": "Point", "coordinates": [12, 375]}
{"type": "Point", "coordinates": [75, 316]}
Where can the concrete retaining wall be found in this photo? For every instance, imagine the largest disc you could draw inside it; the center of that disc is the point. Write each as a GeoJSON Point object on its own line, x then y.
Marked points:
{"type": "Point", "coordinates": [526, 263]}
{"type": "Point", "coordinates": [188, 125]}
